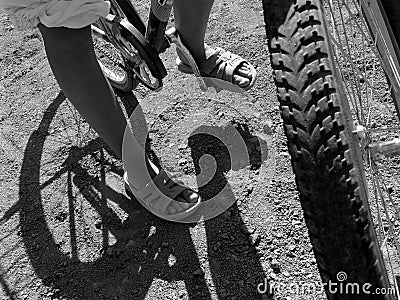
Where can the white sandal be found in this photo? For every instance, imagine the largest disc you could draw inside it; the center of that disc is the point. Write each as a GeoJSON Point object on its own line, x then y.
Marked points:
{"type": "Point", "coordinates": [159, 193]}
{"type": "Point", "coordinates": [225, 63]}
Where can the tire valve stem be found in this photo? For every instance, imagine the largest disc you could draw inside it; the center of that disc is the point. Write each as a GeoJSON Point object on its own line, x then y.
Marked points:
{"type": "Point", "coordinates": [359, 130]}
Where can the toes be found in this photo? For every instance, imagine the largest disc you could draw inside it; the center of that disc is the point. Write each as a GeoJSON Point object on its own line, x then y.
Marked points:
{"type": "Point", "coordinates": [172, 209]}
{"type": "Point", "coordinates": [245, 68]}
{"type": "Point", "coordinates": [243, 75]}
{"type": "Point", "coordinates": [183, 202]}
{"type": "Point", "coordinates": [190, 196]}
{"type": "Point", "coordinates": [246, 65]}
{"type": "Point", "coordinates": [241, 81]}
{"type": "Point", "coordinates": [244, 72]}
{"type": "Point", "coordinates": [178, 206]}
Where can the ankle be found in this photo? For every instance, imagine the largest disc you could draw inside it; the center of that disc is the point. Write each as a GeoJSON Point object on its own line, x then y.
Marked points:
{"type": "Point", "coordinates": [197, 48]}
{"type": "Point", "coordinates": [199, 53]}
{"type": "Point", "coordinates": [139, 177]}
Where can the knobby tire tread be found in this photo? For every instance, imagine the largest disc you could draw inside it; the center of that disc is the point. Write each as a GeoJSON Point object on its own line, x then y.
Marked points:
{"type": "Point", "coordinates": [337, 218]}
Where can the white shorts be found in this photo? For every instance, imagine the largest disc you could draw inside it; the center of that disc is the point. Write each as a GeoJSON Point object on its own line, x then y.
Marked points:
{"type": "Point", "coordinates": [26, 14]}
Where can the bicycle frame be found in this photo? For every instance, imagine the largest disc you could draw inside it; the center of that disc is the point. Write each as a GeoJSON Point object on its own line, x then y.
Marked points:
{"type": "Point", "coordinates": [153, 40]}
{"type": "Point", "coordinates": [160, 39]}
{"type": "Point", "coordinates": [157, 24]}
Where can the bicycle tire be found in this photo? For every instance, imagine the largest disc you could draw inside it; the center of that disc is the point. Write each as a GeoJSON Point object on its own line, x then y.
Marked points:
{"type": "Point", "coordinates": [393, 14]}
{"type": "Point", "coordinates": [324, 152]}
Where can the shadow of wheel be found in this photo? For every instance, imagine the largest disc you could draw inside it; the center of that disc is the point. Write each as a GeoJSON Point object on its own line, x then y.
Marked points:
{"type": "Point", "coordinates": [61, 195]}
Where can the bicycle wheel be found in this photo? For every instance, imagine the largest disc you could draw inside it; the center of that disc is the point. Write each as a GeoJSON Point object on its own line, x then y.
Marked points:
{"type": "Point", "coordinates": [110, 58]}
{"type": "Point", "coordinates": [124, 54]}
{"type": "Point", "coordinates": [333, 94]}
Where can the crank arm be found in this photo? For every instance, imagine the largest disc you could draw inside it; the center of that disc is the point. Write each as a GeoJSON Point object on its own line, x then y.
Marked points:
{"type": "Point", "coordinates": [173, 37]}
{"type": "Point", "coordinates": [120, 29]}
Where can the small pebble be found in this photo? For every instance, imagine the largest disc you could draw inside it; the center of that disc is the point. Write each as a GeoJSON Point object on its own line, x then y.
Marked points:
{"type": "Point", "coordinates": [98, 224]}
{"type": "Point", "coordinates": [267, 128]}
{"type": "Point", "coordinates": [286, 274]}
{"type": "Point", "coordinates": [247, 230]}
{"type": "Point", "coordinates": [284, 154]}
{"type": "Point", "coordinates": [290, 254]}
{"type": "Point", "coordinates": [182, 147]}
{"type": "Point", "coordinates": [226, 215]}
{"type": "Point", "coordinates": [275, 266]}
{"type": "Point", "coordinates": [296, 222]}
{"type": "Point", "coordinates": [198, 272]}
{"type": "Point", "coordinates": [182, 161]}
{"type": "Point", "coordinates": [110, 251]}
{"type": "Point", "coordinates": [249, 190]}
{"type": "Point", "coordinates": [255, 240]}
{"type": "Point", "coordinates": [390, 189]}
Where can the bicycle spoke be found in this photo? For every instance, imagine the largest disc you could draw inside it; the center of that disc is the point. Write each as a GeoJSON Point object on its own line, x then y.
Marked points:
{"type": "Point", "coordinates": [390, 237]}
{"type": "Point", "coordinates": [338, 49]}
{"type": "Point", "coordinates": [367, 90]}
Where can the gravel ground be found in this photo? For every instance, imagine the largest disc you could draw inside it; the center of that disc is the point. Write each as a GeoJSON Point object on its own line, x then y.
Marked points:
{"type": "Point", "coordinates": [67, 228]}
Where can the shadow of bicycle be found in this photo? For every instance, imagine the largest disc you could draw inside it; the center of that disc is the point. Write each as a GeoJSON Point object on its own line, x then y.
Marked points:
{"type": "Point", "coordinates": [87, 240]}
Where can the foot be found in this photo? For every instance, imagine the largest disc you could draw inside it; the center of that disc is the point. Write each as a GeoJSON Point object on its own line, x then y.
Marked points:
{"type": "Point", "coordinates": [184, 200]}
{"type": "Point", "coordinates": [242, 75]}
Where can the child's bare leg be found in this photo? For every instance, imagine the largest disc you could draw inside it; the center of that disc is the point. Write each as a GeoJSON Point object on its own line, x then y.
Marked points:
{"type": "Point", "coordinates": [72, 59]}
{"type": "Point", "coordinates": [191, 18]}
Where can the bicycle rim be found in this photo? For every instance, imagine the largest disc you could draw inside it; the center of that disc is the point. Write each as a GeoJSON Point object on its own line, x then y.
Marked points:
{"type": "Point", "coordinates": [110, 58]}
{"type": "Point", "coordinates": [369, 71]}
{"type": "Point", "coordinates": [324, 87]}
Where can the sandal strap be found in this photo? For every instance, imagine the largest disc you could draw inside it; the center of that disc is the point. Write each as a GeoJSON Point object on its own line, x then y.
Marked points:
{"type": "Point", "coordinates": [225, 61]}
{"type": "Point", "coordinates": [212, 61]}
{"type": "Point", "coordinates": [161, 191]}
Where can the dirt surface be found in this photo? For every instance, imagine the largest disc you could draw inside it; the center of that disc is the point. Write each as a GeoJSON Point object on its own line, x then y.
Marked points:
{"type": "Point", "coordinates": [68, 229]}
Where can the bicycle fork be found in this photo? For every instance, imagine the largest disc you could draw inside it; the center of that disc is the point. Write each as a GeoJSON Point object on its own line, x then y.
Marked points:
{"type": "Point", "coordinates": [161, 39]}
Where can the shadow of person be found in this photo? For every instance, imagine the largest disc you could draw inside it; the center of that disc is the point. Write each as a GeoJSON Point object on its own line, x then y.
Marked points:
{"type": "Point", "coordinates": [233, 259]}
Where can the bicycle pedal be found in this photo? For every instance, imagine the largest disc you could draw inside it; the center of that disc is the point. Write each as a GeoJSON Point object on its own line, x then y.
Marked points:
{"type": "Point", "coordinates": [174, 38]}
